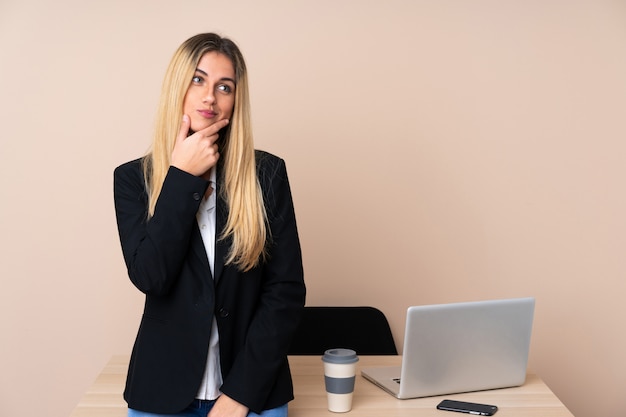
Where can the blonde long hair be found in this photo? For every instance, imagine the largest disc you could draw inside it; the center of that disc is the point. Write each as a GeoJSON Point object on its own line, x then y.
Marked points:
{"type": "Point", "coordinates": [247, 219]}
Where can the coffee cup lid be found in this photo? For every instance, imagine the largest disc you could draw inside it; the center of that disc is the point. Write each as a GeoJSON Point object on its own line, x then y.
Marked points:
{"type": "Point", "coordinates": [340, 355]}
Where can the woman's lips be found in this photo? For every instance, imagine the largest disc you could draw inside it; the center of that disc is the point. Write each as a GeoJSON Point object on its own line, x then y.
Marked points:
{"type": "Point", "coordinates": [207, 114]}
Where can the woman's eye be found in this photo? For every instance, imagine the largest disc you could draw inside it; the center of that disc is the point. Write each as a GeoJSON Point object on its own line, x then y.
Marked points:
{"type": "Point", "coordinates": [196, 79]}
{"type": "Point", "coordinates": [225, 88]}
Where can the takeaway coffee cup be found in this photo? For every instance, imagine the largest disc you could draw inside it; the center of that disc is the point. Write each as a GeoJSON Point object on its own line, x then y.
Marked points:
{"type": "Point", "coordinates": [339, 376]}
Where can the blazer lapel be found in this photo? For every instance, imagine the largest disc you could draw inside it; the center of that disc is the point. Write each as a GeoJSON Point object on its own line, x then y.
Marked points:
{"type": "Point", "coordinates": [198, 247]}
{"type": "Point", "coordinates": [221, 245]}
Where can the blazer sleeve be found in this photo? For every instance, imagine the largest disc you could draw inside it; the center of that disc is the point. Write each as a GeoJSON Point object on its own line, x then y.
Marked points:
{"type": "Point", "coordinates": [154, 250]}
{"type": "Point", "coordinates": [261, 366]}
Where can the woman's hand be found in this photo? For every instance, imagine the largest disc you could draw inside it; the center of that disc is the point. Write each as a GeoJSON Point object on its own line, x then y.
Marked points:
{"type": "Point", "coordinates": [227, 407]}
{"type": "Point", "coordinates": [198, 153]}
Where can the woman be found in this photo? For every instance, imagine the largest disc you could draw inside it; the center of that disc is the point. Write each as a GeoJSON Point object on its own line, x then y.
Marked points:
{"type": "Point", "coordinates": [208, 233]}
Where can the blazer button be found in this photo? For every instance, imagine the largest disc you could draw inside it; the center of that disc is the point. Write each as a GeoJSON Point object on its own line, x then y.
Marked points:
{"type": "Point", "coordinates": [223, 312]}
{"type": "Point", "coordinates": [196, 196]}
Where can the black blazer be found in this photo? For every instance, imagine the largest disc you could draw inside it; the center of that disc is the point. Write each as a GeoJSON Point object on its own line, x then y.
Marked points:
{"type": "Point", "coordinates": [257, 311]}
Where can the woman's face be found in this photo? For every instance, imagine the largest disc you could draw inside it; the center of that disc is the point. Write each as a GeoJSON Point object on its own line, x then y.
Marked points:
{"type": "Point", "coordinates": [211, 94]}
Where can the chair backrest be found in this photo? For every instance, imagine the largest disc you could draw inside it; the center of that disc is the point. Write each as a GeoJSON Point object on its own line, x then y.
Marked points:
{"type": "Point", "coordinates": [363, 329]}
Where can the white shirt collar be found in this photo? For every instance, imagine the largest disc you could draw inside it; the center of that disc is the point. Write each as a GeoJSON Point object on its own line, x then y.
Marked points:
{"type": "Point", "coordinates": [209, 203]}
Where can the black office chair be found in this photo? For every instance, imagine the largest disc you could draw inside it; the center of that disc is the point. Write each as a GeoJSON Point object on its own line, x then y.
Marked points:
{"type": "Point", "coordinates": [363, 329]}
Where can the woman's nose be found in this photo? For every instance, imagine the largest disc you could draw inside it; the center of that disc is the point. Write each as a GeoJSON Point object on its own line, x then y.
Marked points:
{"type": "Point", "coordinates": [209, 96]}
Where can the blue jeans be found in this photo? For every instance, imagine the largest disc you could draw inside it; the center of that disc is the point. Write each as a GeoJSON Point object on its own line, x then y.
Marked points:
{"type": "Point", "coordinates": [200, 408]}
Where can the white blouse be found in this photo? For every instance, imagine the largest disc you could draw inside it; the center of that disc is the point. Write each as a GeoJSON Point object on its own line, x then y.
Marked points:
{"type": "Point", "coordinates": [212, 380]}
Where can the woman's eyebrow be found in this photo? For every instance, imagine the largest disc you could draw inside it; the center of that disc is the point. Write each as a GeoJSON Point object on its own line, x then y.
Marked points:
{"type": "Point", "coordinates": [222, 79]}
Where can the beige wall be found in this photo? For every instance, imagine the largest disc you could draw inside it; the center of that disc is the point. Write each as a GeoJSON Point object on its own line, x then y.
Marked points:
{"type": "Point", "coordinates": [438, 151]}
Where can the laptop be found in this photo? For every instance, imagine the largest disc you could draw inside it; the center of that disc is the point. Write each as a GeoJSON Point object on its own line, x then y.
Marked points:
{"type": "Point", "coordinates": [460, 347]}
